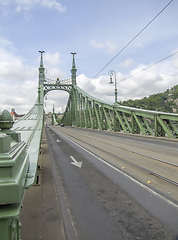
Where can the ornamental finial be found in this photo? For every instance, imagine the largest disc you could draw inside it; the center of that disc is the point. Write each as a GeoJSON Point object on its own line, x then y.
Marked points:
{"type": "Point", "coordinates": [73, 63]}
{"type": "Point", "coordinates": [41, 62]}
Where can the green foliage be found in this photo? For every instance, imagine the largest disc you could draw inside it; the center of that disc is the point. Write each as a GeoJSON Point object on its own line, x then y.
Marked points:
{"type": "Point", "coordinates": [174, 92]}
{"type": "Point", "coordinates": [164, 102]}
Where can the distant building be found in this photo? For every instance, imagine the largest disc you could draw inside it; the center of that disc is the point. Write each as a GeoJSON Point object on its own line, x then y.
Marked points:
{"type": "Point", "coordinates": [15, 116]}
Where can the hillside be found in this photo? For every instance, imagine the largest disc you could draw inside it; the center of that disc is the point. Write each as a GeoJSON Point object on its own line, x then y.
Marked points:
{"type": "Point", "coordinates": [164, 102]}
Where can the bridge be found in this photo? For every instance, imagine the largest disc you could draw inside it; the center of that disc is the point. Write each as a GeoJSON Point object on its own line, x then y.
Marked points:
{"type": "Point", "coordinates": [20, 142]}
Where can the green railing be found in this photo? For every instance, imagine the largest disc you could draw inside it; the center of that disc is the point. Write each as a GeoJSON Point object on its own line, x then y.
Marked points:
{"type": "Point", "coordinates": [19, 149]}
{"type": "Point", "coordinates": [84, 110]}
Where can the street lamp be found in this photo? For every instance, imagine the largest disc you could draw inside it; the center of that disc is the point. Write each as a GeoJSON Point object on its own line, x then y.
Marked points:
{"type": "Point", "coordinates": [111, 73]}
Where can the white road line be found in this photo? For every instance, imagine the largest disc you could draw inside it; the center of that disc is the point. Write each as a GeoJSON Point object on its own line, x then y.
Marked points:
{"type": "Point", "coordinates": [132, 179]}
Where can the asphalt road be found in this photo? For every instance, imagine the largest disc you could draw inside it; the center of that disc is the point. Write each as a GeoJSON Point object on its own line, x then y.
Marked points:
{"type": "Point", "coordinates": [98, 201]}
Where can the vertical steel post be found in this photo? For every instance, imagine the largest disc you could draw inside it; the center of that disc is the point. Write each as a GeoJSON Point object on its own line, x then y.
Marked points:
{"type": "Point", "coordinates": [53, 116]}
{"type": "Point", "coordinates": [156, 125]}
{"type": "Point", "coordinates": [41, 80]}
{"type": "Point", "coordinates": [73, 70]}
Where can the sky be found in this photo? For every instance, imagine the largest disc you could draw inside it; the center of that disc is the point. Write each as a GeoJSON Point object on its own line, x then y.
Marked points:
{"type": "Point", "coordinates": [97, 30]}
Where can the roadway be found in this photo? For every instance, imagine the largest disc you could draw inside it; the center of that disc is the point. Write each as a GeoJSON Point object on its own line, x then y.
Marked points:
{"type": "Point", "coordinates": [104, 190]}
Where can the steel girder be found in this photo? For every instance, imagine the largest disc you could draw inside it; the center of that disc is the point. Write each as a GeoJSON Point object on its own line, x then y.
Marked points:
{"type": "Point", "coordinates": [87, 111]}
{"type": "Point", "coordinates": [49, 87]}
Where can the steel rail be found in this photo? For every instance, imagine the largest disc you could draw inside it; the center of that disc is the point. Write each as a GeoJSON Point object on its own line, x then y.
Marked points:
{"type": "Point", "coordinates": [144, 155]}
{"type": "Point", "coordinates": [124, 160]}
{"type": "Point", "coordinates": [141, 154]}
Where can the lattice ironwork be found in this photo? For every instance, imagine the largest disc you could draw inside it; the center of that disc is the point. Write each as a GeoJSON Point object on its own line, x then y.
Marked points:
{"type": "Point", "coordinates": [87, 111]}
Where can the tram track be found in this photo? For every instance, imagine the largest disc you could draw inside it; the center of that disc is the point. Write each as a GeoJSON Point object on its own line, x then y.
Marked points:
{"type": "Point", "coordinates": [160, 163]}
{"type": "Point", "coordinates": [126, 199]}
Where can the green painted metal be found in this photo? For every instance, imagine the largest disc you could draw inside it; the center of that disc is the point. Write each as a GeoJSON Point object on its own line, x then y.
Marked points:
{"type": "Point", "coordinates": [54, 122]}
{"type": "Point", "coordinates": [73, 70]}
{"type": "Point", "coordinates": [19, 149]}
{"type": "Point", "coordinates": [14, 163]}
{"type": "Point", "coordinates": [83, 110]}
{"type": "Point", "coordinates": [97, 114]}
{"type": "Point", "coordinates": [6, 120]}
{"type": "Point", "coordinates": [20, 145]}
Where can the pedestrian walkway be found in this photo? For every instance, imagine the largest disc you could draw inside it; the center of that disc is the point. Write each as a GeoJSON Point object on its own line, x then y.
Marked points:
{"type": "Point", "coordinates": [41, 216]}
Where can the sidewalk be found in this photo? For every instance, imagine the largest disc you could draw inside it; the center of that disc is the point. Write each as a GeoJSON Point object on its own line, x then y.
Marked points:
{"type": "Point", "coordinates": [41, 215]}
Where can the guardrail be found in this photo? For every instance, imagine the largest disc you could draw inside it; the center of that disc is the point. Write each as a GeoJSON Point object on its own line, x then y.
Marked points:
{"type": "Point", "coordinates": [19, 149]}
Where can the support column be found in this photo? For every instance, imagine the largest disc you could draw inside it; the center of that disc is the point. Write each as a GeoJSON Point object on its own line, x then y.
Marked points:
{"type": "Point", "coordinates": [41, 80]}
{"type": "Point", "coordinates": [53, 116]}
{"type": "Point", "coordinates": [73, 70]}
{"type": "Point", "coordinates": [156, 126]}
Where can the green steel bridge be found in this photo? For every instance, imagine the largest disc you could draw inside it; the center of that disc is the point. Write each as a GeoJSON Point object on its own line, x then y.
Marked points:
{"type": "Point", "coordinates": [20, 142]}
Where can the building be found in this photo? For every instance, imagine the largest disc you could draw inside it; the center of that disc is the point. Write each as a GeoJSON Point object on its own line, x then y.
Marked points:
{"type": "Point", "coordinates": [15, 116]}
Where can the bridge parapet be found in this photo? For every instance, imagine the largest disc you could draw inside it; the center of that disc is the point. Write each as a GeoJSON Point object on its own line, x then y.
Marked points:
{"type": "Point", "coordinates": [14, 164]}
{"type": "Point", "coordinates": [19, 149]}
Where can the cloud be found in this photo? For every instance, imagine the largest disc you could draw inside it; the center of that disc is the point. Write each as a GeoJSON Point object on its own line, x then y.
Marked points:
{"type": "Point", "coordinates": [52, 59]}
{"type": "Point", "coordinates": [24, 5]}
{"type": "Point", "coordinates": [111, 46]}
{"type": "Point", "coordinates": [96, 44]}
{"type": "Point", "coordinates": [53, 4]}
{"type": "Point", "coordinates": [175, 59]}
{"type": "Point", "coordinates": [27, 5]}
{"type": "Point", "coordinates": [146, 83]}
{"type": "Point", "coordinates": [54, 73]}
{"type": "Point", "coordinates": [154, 80]}
{"type": "Point", "coordinates": [20, 97]}
{"type": "Point", "coordinates": [108, 45]}
{"type": "Point", "coordinates": [4, 42]}
{"type": "Point", "coordinates": [129, 62]}
{"type": "Point", "coordinates": [13, 70]}
{"type": "Point", "coordinates": [58, 98]}
{"type": "Point", "coordinates": [18, 80]}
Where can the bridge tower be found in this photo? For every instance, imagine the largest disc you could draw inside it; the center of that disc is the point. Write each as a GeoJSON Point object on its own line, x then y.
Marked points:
{"type": "Point", "coordinates": [73, 70]}
{"type": "Point", "coordinates": [53, 108]}
{"type": "Point", "coordinates": [53, 122]}
{"type": "Point", "coordinates": [41, 80]}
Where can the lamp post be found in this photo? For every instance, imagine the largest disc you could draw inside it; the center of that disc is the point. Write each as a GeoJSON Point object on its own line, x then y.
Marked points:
{"type": "Point", "coordinates": [111, 73]}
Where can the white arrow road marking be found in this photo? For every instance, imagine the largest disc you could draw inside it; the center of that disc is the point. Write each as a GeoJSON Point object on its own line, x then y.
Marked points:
{"type": "Point", "coordinates": [75, 163]}
{"type": "Point", "coordinates": [52, 133]}
{"type": "Point", "coordinates": [58, 140]}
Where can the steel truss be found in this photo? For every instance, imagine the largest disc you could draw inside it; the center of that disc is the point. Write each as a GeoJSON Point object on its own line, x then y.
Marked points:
{"type": "Point", "coordinates": [86, 111]}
